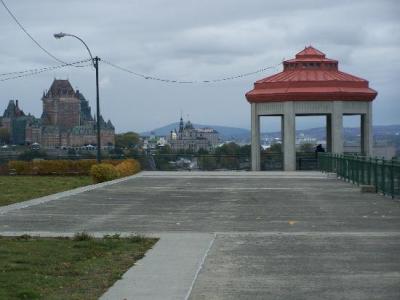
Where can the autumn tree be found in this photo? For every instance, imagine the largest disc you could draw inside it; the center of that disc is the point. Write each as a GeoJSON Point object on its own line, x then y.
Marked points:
{"type": "Point", "coordinates": [127, 140]}
{"type": "Point", "coordinates": [276, 148]}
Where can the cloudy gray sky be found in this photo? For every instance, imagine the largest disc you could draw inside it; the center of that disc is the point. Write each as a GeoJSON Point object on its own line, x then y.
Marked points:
{"type": "Point", "coordinates": [196, 40]}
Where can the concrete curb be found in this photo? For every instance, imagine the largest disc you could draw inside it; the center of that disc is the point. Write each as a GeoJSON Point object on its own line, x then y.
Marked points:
{"type": "Point", "coordinates": [57, 196]}
{"type": "Point", "coordinates": [167, 272]}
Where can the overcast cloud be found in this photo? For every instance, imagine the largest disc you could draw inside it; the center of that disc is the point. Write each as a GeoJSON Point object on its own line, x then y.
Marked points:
{"type": "Point", "coordinates": [196, 40]}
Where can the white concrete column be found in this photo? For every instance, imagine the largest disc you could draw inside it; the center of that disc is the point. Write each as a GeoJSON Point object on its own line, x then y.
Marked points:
{"type": "Point", "coordinates": [328, 133]}
{"type": "Point", "coordinates": [255, 139]}
{"type": "Point", "coordinates": [367, 132]}
{"type": "Point", "coordinates": [337, 127]}
{"type": "Point", "coordinates": [289, 137]}
{"type": "Point", "coordinates": [282, 133]}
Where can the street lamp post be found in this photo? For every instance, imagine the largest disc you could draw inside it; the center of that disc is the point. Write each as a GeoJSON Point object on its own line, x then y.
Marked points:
{"type": "Point", "coordinates": [95, 62]}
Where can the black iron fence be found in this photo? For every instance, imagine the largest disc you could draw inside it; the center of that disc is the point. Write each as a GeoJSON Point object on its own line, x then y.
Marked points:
{"type": "Point", "coordinates": [383, 174]}
{"type": "Point", "coordinates": [211, 162]}
{"type": "Point", "coordinates": [205, 162]}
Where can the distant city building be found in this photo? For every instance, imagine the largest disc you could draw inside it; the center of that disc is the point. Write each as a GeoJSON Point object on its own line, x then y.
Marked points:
{"type": "Point", "coordinates": [303, 139]}
{"type": "Point", "coordinates": [66, 121]}
{"type": "Point", "coordinates": [153, 142]}
{"type": "Point", "coordinates": [188, 138]}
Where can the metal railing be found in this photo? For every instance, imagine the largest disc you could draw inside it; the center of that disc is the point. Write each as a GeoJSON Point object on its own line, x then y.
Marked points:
{"type": "Point", "coordinates": [271, 161]}
{"type": "Point", "coordinates": [204, 162]}
{"type": "Point", "coordinates": [383, 174]}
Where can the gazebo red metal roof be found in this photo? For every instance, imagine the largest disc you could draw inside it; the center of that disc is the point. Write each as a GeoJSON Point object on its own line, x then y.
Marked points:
{"type": "Point", "coordinates": [311, 77]}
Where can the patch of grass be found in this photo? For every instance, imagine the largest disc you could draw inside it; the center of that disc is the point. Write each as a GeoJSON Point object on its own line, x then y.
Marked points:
{"type": "Point", "coordinates": [20, 188]}
{"type": "Point", "coordinates": [65, 268]}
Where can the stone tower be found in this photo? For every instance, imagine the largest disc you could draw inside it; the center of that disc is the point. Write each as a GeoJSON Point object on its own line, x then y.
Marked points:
{"type": "Point", "coordinates": [61, 105]}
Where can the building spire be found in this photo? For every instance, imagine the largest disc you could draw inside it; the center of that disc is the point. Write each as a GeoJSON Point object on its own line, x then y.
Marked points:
{"type": "Point", "coordinates": [181, 123]}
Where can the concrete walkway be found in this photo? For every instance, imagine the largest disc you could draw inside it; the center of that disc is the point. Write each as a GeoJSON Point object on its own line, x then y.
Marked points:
{"type": "Point", "coordinates": [236, 235]}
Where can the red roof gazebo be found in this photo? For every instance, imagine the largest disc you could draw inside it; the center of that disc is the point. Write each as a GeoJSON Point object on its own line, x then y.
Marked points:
{"type": "Point", "coordinates": [311, 84]}
{"type": "Point", "coordinates": [311, 77]}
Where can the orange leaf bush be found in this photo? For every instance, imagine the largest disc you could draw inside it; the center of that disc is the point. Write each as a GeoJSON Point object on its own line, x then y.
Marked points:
{"type": "Point", "coordinates": [4, 169]}
{"type": "Point", "coordinates": [103, 172]}
{"type": "Point", "coordinates": [51, 167]}
{"type": "Point", "coordinates": [21, 167]}
{"type": "Point", "coordinates": [128, 167]}
{"type": "Point", "coordinates": [108, 170]}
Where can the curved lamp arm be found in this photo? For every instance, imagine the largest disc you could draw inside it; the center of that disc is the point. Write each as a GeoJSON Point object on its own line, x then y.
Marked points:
{"type": "Point", "coordinates": [62, 34]}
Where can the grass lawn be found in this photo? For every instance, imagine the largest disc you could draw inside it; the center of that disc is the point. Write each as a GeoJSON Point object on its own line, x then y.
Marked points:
{"type": "Point", "coordinates": [65, 268]}
{"type": "Point", "coordinates": [20, 188]}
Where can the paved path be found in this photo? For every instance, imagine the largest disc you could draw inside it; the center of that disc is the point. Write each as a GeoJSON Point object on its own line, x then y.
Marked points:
{"type": "Point", "coordinates": [237, 235]}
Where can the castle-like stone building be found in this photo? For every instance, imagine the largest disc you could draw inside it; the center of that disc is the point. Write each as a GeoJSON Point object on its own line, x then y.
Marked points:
{"type": "Point", "coordinates": [66, 121]}
{"type": "Point", "coordinates": [188, 138]}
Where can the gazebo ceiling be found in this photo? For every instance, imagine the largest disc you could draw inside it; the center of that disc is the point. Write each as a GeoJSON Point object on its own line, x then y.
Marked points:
{"type": "Point", "coordinates": [311, 77]}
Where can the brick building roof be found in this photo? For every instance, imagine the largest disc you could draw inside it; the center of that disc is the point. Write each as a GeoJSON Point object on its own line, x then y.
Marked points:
{"type": "Point", "coordinates": [13, 110]}
{"type": "Point", "coordinates": [60, 88]}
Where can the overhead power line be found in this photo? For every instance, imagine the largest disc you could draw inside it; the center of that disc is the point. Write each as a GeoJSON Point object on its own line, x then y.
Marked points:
{"type": "Point", "coordinates": [20, 74]}
{"type": "Point", "coordinates": [29, 35]}
{"type": "Point", "coordinates": [32, 72]}
{"type": "Point", "coordinates": [73, 64]}
{"type": "Point", "coordinates": [189, 81]}
{"type": "Point", "coordinates": [148, 77]}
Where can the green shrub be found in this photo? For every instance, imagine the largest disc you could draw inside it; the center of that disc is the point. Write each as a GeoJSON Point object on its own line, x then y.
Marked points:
{"type": "Point", "coordinates": [137, 238]}
{"type": "Point", "coordinates": [24, 237]}
{"type": "Point", "coordinates": [82, 236]}
{"type": "Point", "coordinates": [103, 172]}
{"type": "Point", "coordinates": [115, 236]}
{"type": "Point", "coordinates": [31, 154]}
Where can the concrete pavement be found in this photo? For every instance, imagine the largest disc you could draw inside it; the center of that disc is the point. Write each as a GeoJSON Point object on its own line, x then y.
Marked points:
{"type": "Point", "coordinates": [278, 235]}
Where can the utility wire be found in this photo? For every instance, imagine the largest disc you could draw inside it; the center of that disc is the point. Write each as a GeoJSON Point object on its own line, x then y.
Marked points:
{"type": "Point", "coordinates": [31, 72]}
{"type": "Point", "coordinates": [29, 35]}
{"type": "Point", "coordinates": [37, 71]}
{"type": "Point", "coordinates": [74, 64]}
{"type": "Point", "coordinates": [188, 81]}
{"type": "Point", "coordinates": [46, 69]}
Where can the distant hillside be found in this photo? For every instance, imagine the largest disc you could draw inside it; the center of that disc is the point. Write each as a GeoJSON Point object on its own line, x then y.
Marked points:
{"type": "Point", "coordinates": [349, 132]}
{"type": "Point", "coordinates": [225, 132]}
{"type": "Point", "coordinates": [243, 135]}
{"type": "Point", "coordinates": [387, 130]}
